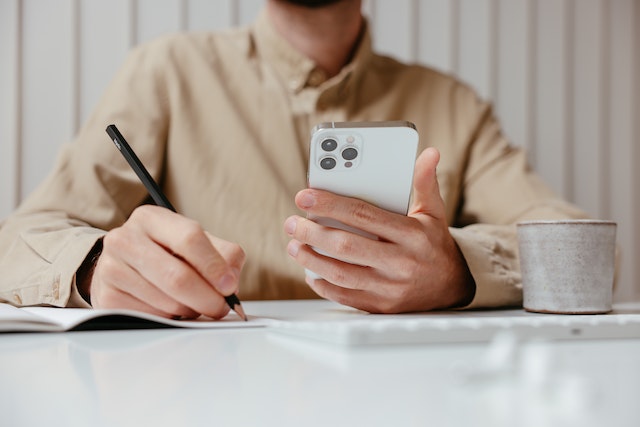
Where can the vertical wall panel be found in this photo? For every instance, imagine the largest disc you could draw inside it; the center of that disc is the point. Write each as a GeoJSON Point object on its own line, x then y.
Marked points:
{"type": "Point", "coordinates": [48, 103]}
{"type": "Point", "coordinates": [436, 32]}
{"type": "Point", "coordinates": [589, 171]}
{"type": "Point", "coordinates": [156, 17]}
{"type": "Point", "coordinates": [393, 29]}
{"type": "Point", "coordinates": [209, 15]}
{"type": "Point", "coordinates": [9, 104]}
{"type": "Point", "coordinates": [247, 11]}
{"type": "Point", "coordinates": [515, 61]}
{"type": "Point", "coordinates": [104, 43]}
{"type": "Point", "coordinates": [476, 52]}
{"type": "Point", "coordinates": [634, 198]}
{"type": "Point", "coordinates": [553, 89]}
{"type": "Point", "coordinates": [620, 137]}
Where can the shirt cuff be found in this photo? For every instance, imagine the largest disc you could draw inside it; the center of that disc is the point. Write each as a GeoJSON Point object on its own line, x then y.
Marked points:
{"type": "Point", "coordinates": [492, 257]}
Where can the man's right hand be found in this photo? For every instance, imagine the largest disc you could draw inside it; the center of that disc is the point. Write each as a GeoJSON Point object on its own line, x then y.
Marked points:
{"type": "Point", "coordinates": [163, 263]}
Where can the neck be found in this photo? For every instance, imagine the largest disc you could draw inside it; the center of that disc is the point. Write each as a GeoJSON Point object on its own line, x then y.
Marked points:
{"type": "Point", "coordinates": [327, 35]}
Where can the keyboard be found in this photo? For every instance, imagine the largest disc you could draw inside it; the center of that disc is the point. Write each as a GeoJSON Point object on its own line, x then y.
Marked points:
{"type": "Point", "coordinates": [461, 326]}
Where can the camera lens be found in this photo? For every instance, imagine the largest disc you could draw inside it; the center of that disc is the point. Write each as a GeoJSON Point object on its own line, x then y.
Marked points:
{"type": "Point", "coordinates": [329, 144]}
{"type": "Point", "coordinates": [327, 163]}
{"type": "Point", "coordinates": [349, 153]}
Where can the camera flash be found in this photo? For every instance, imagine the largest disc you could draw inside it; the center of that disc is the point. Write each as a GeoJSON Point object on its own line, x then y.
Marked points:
{"type": "Point", "coordinates": [350, 139]}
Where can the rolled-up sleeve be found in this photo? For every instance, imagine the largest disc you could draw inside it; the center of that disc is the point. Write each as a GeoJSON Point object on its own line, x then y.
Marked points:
{"type": "Point", "coordinates": [499, 189]}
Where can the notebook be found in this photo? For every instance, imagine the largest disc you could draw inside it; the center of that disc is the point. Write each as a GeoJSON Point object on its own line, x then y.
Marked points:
{"type": "Point", "coordinates": [51, 319]}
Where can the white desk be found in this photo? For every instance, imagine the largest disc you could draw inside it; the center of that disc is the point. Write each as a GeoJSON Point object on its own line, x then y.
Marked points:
{"type": "Point", "coordinates": [253, 377]}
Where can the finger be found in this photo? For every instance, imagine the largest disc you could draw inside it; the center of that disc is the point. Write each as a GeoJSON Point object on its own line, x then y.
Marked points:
{"type": "Point", "coordinates": [165, 271]}
{"type": "Point", "coordinates": [426, 191]}
{"type": "Point", "coordinates": [116, 298]}
{"type": "Point", "coordinates": [123, 279]}
{"type": "Point", "coordinates": [357, 299]}
{"type": "Point", "coordinates": [352, 212]}
{"type": "Point", "coordinates": [343, 245]}
{"type": "Point", "coordinates": [338, 272]}
{"type": "Point", "coordinates": [231, 252]}
{"type": "Point", "coordinates": [187, 239]}
{"type": "Point", "coordinates": [177, 279]}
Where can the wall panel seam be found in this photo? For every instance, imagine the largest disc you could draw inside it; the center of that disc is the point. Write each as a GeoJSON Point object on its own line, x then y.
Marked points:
{"type": "Point", "coordinates": [184, 15]}
{"type": "Point", "coordinates": [604, 145]}
{"type": "Point", "coordinates": [635, 203]}
{"type": "Point", "coordinates": [234, 11]}
{"type": "Point", "coordinates": [454, 39]}
{"type": "Point", "coordinates": [492, 75]}
{"type": "Point", "coordinates": [133, 23]}
{"type": "Point", "coordinates": [19, 105]}
{"type": "Point", "coordinates": [569, 58]}
{"type": "Point", "coordinates": [414, 24]}
{"type": "Point", "coordinates": [531, 77]}
{"type": "Point", "coordinates": [76, 74]}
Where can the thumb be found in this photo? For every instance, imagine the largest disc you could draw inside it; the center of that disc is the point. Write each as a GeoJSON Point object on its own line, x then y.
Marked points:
{"type": "Point", "coordinates": [232, 253]}
{"type": "Point", "coordinates": [426, 191]}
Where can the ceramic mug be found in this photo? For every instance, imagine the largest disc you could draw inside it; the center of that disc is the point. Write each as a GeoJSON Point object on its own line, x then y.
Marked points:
{"type": "Point", "coordinates": [567, 266]}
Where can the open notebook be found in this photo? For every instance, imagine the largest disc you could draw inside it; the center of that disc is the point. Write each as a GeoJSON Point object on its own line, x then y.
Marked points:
{"type": "Point", "coordinates": [50, 319]}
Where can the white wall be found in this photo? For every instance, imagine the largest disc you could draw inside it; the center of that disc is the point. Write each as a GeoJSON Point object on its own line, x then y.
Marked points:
{"type": "Point", "coordinates": [563, 74]}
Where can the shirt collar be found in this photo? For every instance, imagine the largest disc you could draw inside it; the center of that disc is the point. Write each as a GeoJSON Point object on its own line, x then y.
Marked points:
{"type": "Point", "coordinates": [296, 70]}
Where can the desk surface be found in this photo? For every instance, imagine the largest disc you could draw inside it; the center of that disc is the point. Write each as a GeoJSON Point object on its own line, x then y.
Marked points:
{"type": "Point", "coordinates": [254, 377]}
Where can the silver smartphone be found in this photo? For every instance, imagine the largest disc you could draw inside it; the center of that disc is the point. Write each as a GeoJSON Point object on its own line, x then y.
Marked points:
{"type": "Point", "coordinates": [371, 161]}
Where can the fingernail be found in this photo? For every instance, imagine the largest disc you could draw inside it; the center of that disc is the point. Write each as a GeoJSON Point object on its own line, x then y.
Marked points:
{"type": "Point", "coordinates": [227, 284]}
{"type": "Point", "coordinates": [290, 225]}
{"type": "Point", "coordinates": [307, 200]}
{"type": "Point", "coordinates": [293, 248]}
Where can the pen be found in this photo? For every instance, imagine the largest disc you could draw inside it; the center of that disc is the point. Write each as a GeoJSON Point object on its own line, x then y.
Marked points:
{"type": "Point", "coordinates": [156, 193]}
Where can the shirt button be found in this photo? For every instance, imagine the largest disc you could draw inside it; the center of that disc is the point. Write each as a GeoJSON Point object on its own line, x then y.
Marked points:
{"type": "Point", "coordinates": [317, 77]}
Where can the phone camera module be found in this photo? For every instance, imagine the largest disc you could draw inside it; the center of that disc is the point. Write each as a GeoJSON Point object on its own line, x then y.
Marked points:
{"type": "Point", "coordinates": [349, 153]}
{"type": "Point", "coordinates": [328, 163]}
{"type": "Point", "coordinates": [329, 144]}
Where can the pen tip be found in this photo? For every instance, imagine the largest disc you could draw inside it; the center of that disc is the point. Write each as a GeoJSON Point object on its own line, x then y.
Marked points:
{"type": "Point", "coordinates": [234, 304]}
{"type": "Point", "coordinates": [238, 309]}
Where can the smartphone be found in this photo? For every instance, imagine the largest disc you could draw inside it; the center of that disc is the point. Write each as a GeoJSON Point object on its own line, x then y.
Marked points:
{"type": "Point", "coordinates": [371, 161]}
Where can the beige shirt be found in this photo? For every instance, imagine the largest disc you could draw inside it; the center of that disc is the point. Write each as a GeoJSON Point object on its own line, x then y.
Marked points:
{"type": "Point", "coordinates": [222, 121]}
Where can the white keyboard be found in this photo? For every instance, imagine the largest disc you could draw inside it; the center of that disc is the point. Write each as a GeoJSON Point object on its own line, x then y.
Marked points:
{"type": "Point", "coordinates": [461, 327]}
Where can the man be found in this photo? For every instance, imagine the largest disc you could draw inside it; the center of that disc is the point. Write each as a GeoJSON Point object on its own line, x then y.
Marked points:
{"type": "Point", "coordinates": [222, 121]}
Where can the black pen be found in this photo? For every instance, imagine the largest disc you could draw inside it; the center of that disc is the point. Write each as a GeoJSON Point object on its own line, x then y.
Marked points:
{"type": "Point", "coordinates": [156, 193]}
